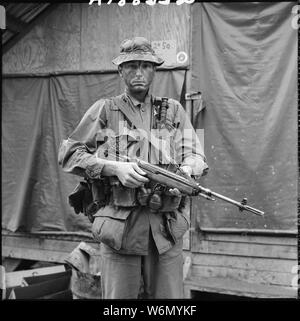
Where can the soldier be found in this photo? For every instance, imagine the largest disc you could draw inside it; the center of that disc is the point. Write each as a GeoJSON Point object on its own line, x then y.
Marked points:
{"type": "Point", "coordinates": [139, 224]}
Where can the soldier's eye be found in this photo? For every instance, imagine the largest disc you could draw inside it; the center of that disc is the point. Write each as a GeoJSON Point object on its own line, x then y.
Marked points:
{"type": "Point", "coordinates": [132, 66]}
{"type": "Point", "coordinates": [147, 65]}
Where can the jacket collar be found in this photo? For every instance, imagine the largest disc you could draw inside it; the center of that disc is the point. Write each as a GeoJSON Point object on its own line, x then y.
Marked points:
{"type": "Point", "coordinates": [137, 103]}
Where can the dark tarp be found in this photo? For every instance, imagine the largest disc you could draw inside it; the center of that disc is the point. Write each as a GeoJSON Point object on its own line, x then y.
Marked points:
{"type": "Point", "coordinates": [245, 64]}
{"type": "Point", "coordinates": [38, 112]}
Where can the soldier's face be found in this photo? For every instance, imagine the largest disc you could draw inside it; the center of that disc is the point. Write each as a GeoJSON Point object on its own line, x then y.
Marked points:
{"type": "Point", "coordinates": [137, 75]}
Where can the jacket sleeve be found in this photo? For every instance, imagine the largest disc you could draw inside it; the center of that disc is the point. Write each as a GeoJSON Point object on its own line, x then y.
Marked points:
{"type": "Point", "coordinates": [189, 150]}
{"type": "Point", "coordinates": [77, 153]}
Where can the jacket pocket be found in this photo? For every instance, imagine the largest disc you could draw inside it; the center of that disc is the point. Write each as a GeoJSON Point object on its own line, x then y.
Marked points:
{"type": "Point", "coordinates": [109, 226]}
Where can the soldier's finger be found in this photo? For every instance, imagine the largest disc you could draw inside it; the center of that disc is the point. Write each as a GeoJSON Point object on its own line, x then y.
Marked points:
{"type": "Point", "coordinates": [138, 169]}
{"type": "Point", "coordinates": [133, 182]}
{"type": "Point", "coordinates": [139, 177]}
{"type": "Point", "coordinates": [174, 191]}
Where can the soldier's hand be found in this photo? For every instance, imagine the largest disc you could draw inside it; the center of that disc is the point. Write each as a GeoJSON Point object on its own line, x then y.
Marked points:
{"type": "Point", "coordinates": [186, 169]}
{"type": "Point", "coordinates": [174, 191]}
{"type": "Point", "coordinates": [130, 175]}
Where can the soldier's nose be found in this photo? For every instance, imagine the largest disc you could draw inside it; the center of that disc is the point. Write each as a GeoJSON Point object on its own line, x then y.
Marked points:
{"type": "Point", "coordinates": [138, 72]}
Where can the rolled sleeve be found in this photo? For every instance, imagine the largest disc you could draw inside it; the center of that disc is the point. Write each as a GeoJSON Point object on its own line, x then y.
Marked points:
{"type": "Point", "coordinates": [189, 149]}
{"type": "Point", "coordinates": [77, 152]}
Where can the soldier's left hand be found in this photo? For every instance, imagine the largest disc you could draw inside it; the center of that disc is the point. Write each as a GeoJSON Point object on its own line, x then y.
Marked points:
{"type": "Point", "coordinates": [174, 192]}
{"type": "Point", "coordinates": [186, 169]}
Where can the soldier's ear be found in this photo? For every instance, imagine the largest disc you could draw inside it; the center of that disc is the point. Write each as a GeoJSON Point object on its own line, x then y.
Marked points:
{"type": "Point", "coordinates": [120, 71]}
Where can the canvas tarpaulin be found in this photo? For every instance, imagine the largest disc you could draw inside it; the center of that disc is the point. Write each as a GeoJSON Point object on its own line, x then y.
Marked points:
{"type": "Point", "coordinates": [38, 112]}
{"type": "Point", "coordinates": [245, 64]}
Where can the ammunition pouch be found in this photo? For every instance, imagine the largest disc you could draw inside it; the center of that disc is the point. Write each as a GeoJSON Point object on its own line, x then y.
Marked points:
{"type": "Point", "coordinates": [170, 202]}
{"type": "Point", "coordinates": [90, 196]}
{"type": "Point", "coordinates": [122, 196]}
{"type": "Point", "coordinates": [159, 199]}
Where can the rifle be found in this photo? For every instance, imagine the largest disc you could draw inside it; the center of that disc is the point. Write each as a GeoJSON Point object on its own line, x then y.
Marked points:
{"type": "Point", "coordinates": [189, 186]}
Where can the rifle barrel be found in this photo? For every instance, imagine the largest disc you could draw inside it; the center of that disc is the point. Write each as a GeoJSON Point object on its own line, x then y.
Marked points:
{"type": "Point", "coordinates": [240, 205]}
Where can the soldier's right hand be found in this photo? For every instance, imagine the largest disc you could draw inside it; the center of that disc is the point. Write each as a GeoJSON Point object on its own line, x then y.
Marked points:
{"type": "Point", "coordinates": [130, 174]}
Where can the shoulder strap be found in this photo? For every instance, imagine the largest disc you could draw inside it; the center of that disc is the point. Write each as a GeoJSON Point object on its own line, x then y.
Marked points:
{"type": "Point", "coordinates": [120, 104]}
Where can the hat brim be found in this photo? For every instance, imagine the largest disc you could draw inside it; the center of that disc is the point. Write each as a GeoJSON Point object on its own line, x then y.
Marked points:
{"type": "Point", "coordinates": [137, 56]}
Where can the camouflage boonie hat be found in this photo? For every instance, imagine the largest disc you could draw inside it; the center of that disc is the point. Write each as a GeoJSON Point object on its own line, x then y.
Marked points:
{"type": "Point", "coordinates": [138, 48]}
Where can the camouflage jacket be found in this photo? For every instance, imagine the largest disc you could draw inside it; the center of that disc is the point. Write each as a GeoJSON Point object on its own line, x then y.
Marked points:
{"type": "Point", "coordinates": [120, 123]}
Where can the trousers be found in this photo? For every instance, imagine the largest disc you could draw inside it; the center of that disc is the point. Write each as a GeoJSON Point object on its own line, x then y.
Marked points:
{"type": "Point", "coordinates": [152, 276]}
